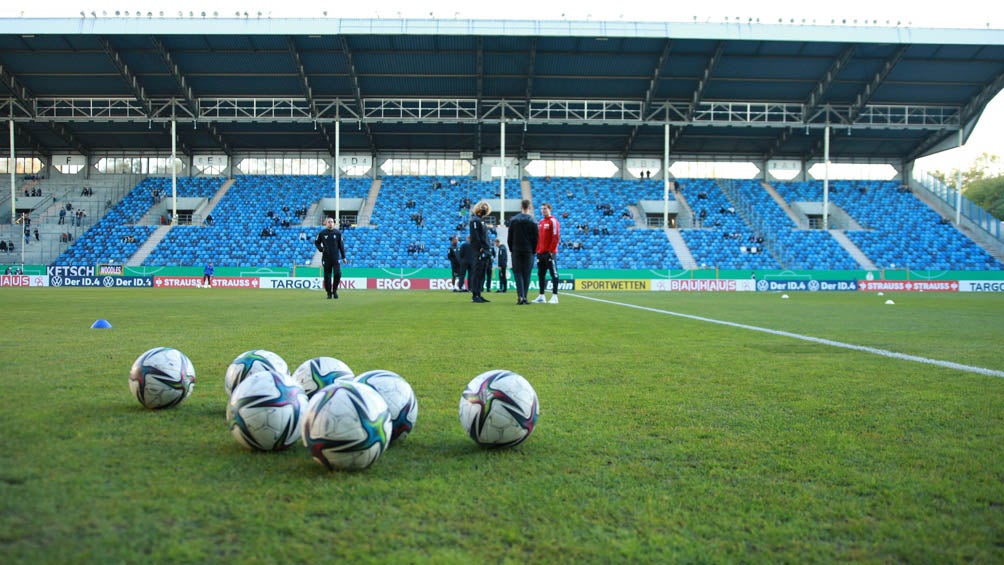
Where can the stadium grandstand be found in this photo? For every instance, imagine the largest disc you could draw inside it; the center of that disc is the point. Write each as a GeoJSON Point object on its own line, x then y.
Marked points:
{"type": "Point", "coordinates": [176, 141]}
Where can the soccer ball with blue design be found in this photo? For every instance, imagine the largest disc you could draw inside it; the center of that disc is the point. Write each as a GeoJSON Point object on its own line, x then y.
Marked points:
{"type": "Point", "coordinates": [161, 377]}
{"type": "Point", "coordinates": [265, 412]}
{"type": "Point", "coordinates": [347, 426]}
{"type": "Point", "coordinates": [400, 398]}
{"type": "Point", "coordinates": [251, 362]}
{"type": "Point", "coordinates": [499, 409]}
{"type": "Point", "coordinates": [317, 373]}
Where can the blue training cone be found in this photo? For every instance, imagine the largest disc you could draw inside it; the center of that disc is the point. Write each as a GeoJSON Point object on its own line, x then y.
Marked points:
{"type": "Point", "coordinates": [100, 324]}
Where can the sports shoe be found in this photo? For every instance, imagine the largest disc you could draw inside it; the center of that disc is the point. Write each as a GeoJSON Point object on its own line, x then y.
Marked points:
{"type": "Point", "coordinates": [554, 299]}
{"type": "Point", "coordinates": [329, 296]}
{"type": "Point", "coordinates": [540, 300]}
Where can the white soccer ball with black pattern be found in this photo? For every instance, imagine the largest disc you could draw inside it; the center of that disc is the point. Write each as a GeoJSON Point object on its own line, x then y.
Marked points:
{"type": "Point", "coordinates": [317, 373]}
{"type": "Point", "coordinates": [400, 399]}
{"type": "Point", "coordinates": [499, 409]}
{"type": "Point", "coordinates": [251, 362]}
{"type": "Point", "coordinates": [161, 377]}
{"type": "Point", "coordinates": [265, 412]}
{"type": "Point", "coordinates": [347, 426]}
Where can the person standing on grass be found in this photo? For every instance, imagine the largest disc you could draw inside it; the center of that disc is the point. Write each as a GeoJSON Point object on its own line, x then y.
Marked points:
{"type": "Point", "coordinates": [502, 259]}
{"type": "Point", "coordinates": [329, 242]}
{"type": "Point", "coordinates": [207, 275]}
{"type": "Point", "coordinates": [456, 273]}
{"type": "Point", "coordinates": [480, 249]}
{"type": "Point", "coordinates": [548, 236]}
{"type": "Point", "coordinates": [522, 240]}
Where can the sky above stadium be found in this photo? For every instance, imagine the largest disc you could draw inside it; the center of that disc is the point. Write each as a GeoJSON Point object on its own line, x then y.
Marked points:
{"type": "Point", "coordinates": [971, 14]}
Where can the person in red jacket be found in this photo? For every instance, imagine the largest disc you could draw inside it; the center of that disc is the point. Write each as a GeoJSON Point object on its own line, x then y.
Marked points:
{"type": "Point", "coordinates": [548, 236]}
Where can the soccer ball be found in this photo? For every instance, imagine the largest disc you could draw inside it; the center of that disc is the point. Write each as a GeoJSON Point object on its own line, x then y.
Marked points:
{"type": "Point", "coordinates": [499, 409]}
{"type": "Point", "coordinates": [400, 399]}
{"type": "Point", "coordinates": [317, 373]}
{"type": "Point", "coordinates": [162, 377]}
{"type": "Point", "coordinates": [251, 362]}
{"type": "Point", "coordinates": [265, 411]}
{"type": "Point", "coordinates": [347, 425]}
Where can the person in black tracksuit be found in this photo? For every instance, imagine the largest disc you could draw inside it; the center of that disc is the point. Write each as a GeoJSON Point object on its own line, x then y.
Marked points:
{"type": "Point", "coordinates": [502, 258]}
{"type": "Point", "coordinates": [481, 250]}
{"type": "Point", "coordinates": [456, 271]}
{"type": "Point", "coordinates": [466, 264]}
{"type": "Point", "coordinates": [329, 242]}
{"type": "Point", "coordinates": [522, 244]}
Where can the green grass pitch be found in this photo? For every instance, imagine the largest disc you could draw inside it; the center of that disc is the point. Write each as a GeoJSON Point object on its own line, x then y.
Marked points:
{"type": "Point", "coordinates": [661, 438]}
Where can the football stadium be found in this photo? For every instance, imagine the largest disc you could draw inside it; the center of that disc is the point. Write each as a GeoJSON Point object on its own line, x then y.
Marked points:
{"type": "Point", "coordinates": [779, 338]}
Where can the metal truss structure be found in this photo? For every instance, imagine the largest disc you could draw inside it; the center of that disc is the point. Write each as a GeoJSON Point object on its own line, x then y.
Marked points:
{"type": "Point", "coordinates": [472, 111]}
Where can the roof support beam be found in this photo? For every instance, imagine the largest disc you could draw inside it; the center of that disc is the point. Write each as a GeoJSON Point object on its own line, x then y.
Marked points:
{"type": "Point", "coordinates": [68, 136]}
{"type": "Point", "coordinates": [172, 67]}
{"type": "Point", "coordinates": [131, 80]}
{"type": "Point", "coordinates": [357, 92]}
{"type": "Point", "coordinates": [34, 144]}
{"type": "Point", "coordinates": [25, 100]}
{"type": "Point", "coordinates": [308, 92]}
{"type": "Point", "coordinates": [702, 85]}
{"type": "Point", "coordinates": [530, 72]}
{"type": "Point", "coordinates": [967, 113]}
{"type": "Point", "coordinates": [22, 96]}
{"type": "Point", "coordinates": [815, 97]}
{"type": "Point", "coordinates": [478, 149]}
{"type": "Point", "coordinates": [865, 96]}
{"type": "Point", "coordinates": [186, 92]}
{"type": "Point", "coordinates": [647, 100]}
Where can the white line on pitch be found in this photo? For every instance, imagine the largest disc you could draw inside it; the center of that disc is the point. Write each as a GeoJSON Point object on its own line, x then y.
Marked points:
{"type": "Point", "coordinates": [830, 342]}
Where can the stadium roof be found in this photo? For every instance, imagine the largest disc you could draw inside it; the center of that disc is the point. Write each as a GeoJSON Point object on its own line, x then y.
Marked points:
{"type": "Point", "coordinates": [93, 85]}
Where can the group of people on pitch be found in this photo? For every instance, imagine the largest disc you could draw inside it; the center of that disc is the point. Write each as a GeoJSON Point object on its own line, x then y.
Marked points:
{"type": "Point", "coordinates": [527, 237]}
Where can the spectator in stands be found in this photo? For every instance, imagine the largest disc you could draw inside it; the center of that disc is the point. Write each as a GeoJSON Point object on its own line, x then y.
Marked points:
{"type": "Point", "coordinates": [329, 242]}
{"type": "Point", "coordinates": [548, 237]}
{"type": "Point", "coordinates": [10, 245]}
{"type": "Point", "coordinates": [264, 232]}
{"type": "Point", "coordinates": [502, 260]}
{"type": "Point", "coordinates": [3, 246]}
{"type": "Point", "coordinates": [480, 249]}
{"type": "Point", "coordinates": [209, 219]}
{"type": "Point", "coordinates": [522, 241]}
{"type": "Point", "coordinates": [207, 275]}
{"type": "Point", "coordinates": [453, 256]}
{"type": "Point", "coordinates": [62, 216]}
{"type": "Point", "coordinates": [466, 264]}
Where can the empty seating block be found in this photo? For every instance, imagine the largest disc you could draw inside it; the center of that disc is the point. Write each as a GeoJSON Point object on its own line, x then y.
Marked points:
{"type": "Point", "coordinates": [722, 238]}
{"type": "Point", "coordinates": [595, 233]}
{"type": "Point", "coordinates": [900, 231]}
{"type": "Point", "coordinates": [116, 237]}
{"type": "Point", "coordinates": [252, 203]}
